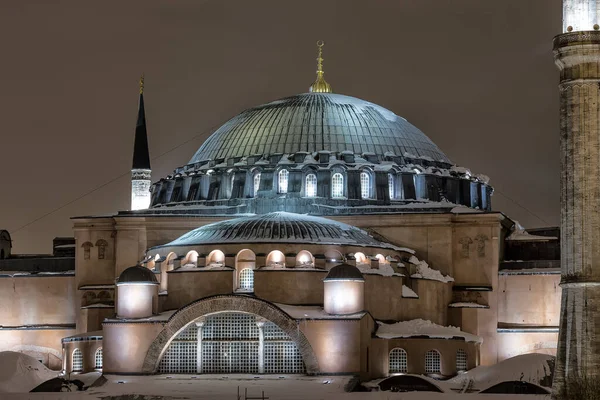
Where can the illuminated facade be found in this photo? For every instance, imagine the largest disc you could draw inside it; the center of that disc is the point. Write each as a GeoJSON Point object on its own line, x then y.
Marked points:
{"type": "Point", "coordinates": [297, 234]}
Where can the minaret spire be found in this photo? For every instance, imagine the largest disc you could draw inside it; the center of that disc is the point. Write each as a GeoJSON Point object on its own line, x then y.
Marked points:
{"type": "Point", "coordinates": [140, 169]}
{"type": "Point", "coordinates": [577, 55]}
{"type": "Point", "coordinates": [320, 85]}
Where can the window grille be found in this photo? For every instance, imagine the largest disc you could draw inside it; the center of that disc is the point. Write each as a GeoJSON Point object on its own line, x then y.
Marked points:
{"type": "Point", "coordinates": [283, 180]}
{"type": "Point", "coordinates": [461, 360]}
{"type": "Point", "coordinates": [230, 344]}
{"type": "Point", "coordinates": [398, 362]}
{"type": "Point", "coordinates": [256, 183]}
{"type": "Point", "coordinates": [247, 279]}
{"type": "Point", "coordinates": [337, 185]}
{"type": "Point", "coordinates": [181, 355]}
{"type": "Point", "coordinates": [311, 185]}
{"type": "Point", "coordinates": [391, 185]}
{"type": "Point", "coordinates": [98, 358]}
{"type": "Point", "coordinates": [281, 354]}
{"type": "Point", "coordinates": [432, 362]}
{"type": "Point", "coordinates": [77, 360]}
{"type": "Point", "coordinates": [365, 183]}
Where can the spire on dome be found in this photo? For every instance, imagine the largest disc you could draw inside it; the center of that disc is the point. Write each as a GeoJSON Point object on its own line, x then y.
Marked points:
{"type": "Point", "coordinates": [319, 85]}
{"type": "Point", "coordinates": [141, 155]}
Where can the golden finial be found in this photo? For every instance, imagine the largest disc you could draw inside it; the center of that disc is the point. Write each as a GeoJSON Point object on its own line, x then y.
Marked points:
{"type": "Point", "coordinates": [142, 84]}
{"type": "Point", "coordinates": [320, 86]}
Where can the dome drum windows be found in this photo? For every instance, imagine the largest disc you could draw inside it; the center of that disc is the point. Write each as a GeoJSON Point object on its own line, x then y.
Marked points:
{"type": "Point", "coordinates": [365, 185]}
{"type": "Point", "coordinates": [337, 185]}
{"type": "Point", "coordinates": [282, 181]}
{"type": "Point", "coordinates": [310, 185]}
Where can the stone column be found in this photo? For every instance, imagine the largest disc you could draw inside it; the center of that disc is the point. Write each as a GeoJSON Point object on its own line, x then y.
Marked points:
{"type": "Point", "coordinates": [577, 55]}
{"type": "Point", "coordinates": [199, 325]}
{"type": "Point", "coordinates": [261, 346]}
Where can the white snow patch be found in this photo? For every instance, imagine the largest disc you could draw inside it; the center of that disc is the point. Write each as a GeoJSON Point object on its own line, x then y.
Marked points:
{"type": "Point", "coordinates": [421, 327]}
{"type": "Point", "coordinates": [384, 270]}
{"type": "Point", "coordinates": [408, 292]}
{"type": "Point", "coordinates": [519, 233]}
{"type": "Point", "coordinates": [464, 210]}
{"type": "Point", "coordinates": [21, 373]}
{"type": "Point", "coordinates": [424, 272]}
{"type": "Point", "coordinates": [526, 367]}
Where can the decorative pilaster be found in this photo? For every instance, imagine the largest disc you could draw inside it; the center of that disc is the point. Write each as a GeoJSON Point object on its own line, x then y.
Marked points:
{"type": "Point", "coordinates": [199, 325]}
{"type": "Point", "coordinates": [261, 346]}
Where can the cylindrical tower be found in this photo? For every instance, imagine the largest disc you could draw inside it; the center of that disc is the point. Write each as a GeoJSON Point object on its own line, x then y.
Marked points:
{"type": "Point", "coordinates": [344, 290]}
{"type": "Point", "coordinates": [577, 55]}
{"type": "Point", "coordinates": [137, 293]}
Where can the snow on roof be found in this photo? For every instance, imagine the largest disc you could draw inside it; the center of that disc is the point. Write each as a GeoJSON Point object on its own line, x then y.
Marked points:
{"type": "Point", "coordinates": [408, 292]}
{"type": "Point", "coordinates": [314, 312]}
{"type": "Point", "coordinates": [421, 327]}
{"type": "Point", "coordinates": [424, 272]}
{"type": "Point", "coordinates": [519, 233]}
{"type": "Point", "coordinates": [384, 270]}
{"type": "Point", "coordinates": [534, 368]}
{"type": "Point", "coordinates": [21, 373]}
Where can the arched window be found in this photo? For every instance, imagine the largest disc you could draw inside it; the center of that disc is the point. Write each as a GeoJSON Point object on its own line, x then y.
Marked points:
{"type": "Point", "coordinates": [256, 183]}
{"type": "Point", "coordinates": [247, 279]}
{"type": "Point", "coordinates": [432, 362]}
{"type": "Point", "coordinates": [215, 258]}
{"type": "Point", "coordinates": [283, 180]}
{"type": "Point", "coordinates": [365, 185]}
{"type": "Point", "coordinates": [461, 360]}
{"type": "Point", "coordinates": [391, 185]}
{"type": "Point", "coordinates": [310, 188]}
{"type": "Point", "coordinates": [337, 185]}
{"type": "Point", "coordinates": [102, 245]}
{"type": "Point", "coordinates": [86, 250]}
{"type": "Point", "coordinates": [398, 361]}
{"type": "Point", "coordinates": [77, 360]}
{"type": "Point", "coordinates": [98, 358]}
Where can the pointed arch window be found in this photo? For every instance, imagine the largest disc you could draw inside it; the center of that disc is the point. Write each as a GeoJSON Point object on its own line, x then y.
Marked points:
{"type": "Point", "coordinates": [310, 186]}
{"type": "Point", "coordinates": [256, 183]}
{"type": "Point", "coordinates": [365, 185]}
{"type": "Point", "coordinates": [391, 186]}
{"type": "Point", "coordinates": [337, 185]}
{"type": "Point", "coordinates": [283, 180]}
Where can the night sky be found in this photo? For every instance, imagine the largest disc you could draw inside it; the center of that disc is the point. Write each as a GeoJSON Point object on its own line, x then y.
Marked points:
{"type": "Point", "coordinates": [478, 77]}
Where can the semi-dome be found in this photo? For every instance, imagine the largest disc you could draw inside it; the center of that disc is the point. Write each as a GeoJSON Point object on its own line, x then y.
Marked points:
{"type": "Point", "coordinates": [313, 122]}
{"type": "Point", "coordinates": [137, 274]}
{"type": "Point", "coordinates": [344, 272]}
{"type": "Point", "coordinates": [280, 227]}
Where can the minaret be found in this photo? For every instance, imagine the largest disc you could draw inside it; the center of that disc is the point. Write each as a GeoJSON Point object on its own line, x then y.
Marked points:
{"type": "Point", "coordinates": [140, 170]}
{"type": "Point", "coordinates": [577, 55]}
{"type": "Point", "coordinates": [319, 85]}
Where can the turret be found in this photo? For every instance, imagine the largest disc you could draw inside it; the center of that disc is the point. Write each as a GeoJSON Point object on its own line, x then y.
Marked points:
{"type": "Point", "coordinates": [140, 169]}
{"type": "Point", "coordinates": [137, 293]}
{"type": "Point", "coordinates": [344, 290]}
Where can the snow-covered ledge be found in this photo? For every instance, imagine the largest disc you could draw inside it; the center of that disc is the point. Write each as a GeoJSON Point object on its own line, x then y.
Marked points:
{"type": "Point", "coordinates": [420, 328]}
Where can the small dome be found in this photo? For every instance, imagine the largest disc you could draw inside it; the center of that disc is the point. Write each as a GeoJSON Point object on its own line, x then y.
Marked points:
{"type": "Point", "coordinates": [281, 227]}
{"type": "Point", "coordinates": [344, 272]}
{"type": "Point", "coordinates": [137, 274]}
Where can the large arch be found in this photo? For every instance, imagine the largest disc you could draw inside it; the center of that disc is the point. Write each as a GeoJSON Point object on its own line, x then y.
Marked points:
{"type": "Point", "coordinates": [223, 303]}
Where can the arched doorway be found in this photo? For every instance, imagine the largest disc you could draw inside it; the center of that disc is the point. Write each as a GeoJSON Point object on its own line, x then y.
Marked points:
{"type": "Point", "coordinates": [283, 329]}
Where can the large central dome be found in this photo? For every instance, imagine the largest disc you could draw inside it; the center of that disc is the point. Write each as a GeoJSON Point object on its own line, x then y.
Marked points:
{"type": "Point", "coordinates": [313, 122]}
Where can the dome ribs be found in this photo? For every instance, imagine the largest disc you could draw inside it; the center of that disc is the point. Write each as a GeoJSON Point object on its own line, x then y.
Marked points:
{"type": "Point", "coordinates": [313, 122]}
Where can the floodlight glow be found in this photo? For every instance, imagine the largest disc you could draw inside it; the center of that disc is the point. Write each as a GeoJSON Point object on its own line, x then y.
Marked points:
{"type": "Point", "coordinates": [580, 15]}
